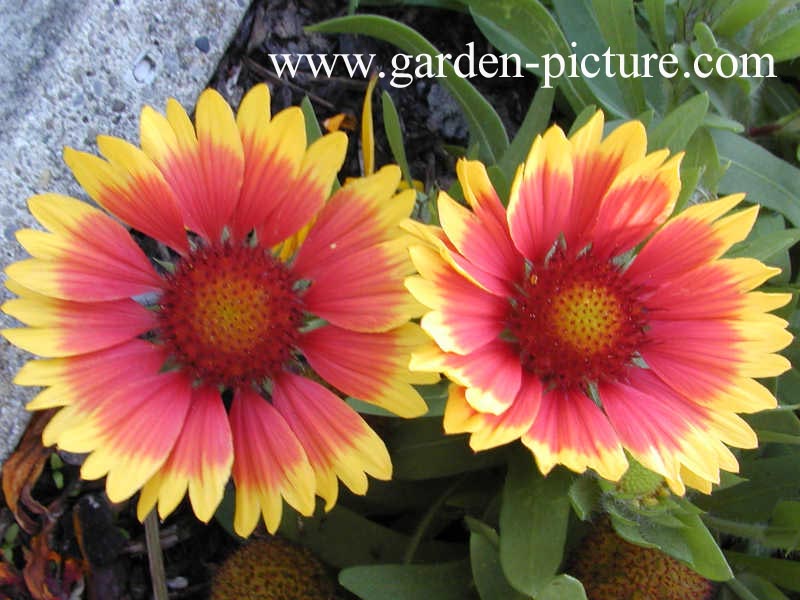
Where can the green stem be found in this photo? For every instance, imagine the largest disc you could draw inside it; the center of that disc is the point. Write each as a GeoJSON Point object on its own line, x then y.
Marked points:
{"type": "Point", "coordinates": [427, 518]}
{"type": "Point", "coordinates": [740, 590]}
{"type": "Point", "coordinates": [746, 530]}
{"type": "Point", "coordinates": [154, 556]}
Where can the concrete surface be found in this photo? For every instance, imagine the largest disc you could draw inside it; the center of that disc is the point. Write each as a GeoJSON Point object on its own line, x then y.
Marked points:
{"type": "Point", "coordinates": [70, 70]}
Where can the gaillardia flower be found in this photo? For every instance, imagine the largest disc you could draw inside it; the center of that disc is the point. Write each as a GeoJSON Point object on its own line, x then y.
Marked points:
{"type": "Point", "coordinates": [586, 322]}
{"type": "Point", "coordinates": [225, 354]}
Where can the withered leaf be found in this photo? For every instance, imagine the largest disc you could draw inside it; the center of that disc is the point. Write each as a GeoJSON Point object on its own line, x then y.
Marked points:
{"type": "Point", "coordinates": [22, 469]}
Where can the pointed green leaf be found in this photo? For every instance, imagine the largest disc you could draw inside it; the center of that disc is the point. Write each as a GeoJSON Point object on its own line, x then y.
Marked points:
{"type": "Point", "coordinates": [676, 129]}
{"type": "Point", "coordinates": [707, 558]}
{"type": "Point", "coordinates": [618, 26]}
{"type": "Point", "coordinates": [445, 581]}
{"type": "Point", "coordinates": [657, 17]}
{"type": "Point", "coordinates": [584, 494]}
{"type": "Point", "coordinates": [485, 560]}
{"type": "Point", "coordinates": [421, 450]}
{"type": "Point", "coordinates": [536, 119]}
{"type": "Point", "coordinates": [767, 179]}
{"type": "Point", "coordinates": [526, 28]}
{"type": "Point", "coordinates": [784, 44]}
{"type": "Point", "coordinates": [758, 587]}
{"type": "Point", "coordinates": [533, 523]}
{"type": "Point", "coordinates": [563, 587]}
{"type": "Point", "coordinates": [785, 573]}
{"type": "Point", "coordinates": [391, 125]}
{"type": "Point", "coordinates": [738, 15]}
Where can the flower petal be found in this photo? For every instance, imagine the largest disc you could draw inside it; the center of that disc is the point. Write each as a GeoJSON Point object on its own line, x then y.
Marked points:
{"type": "Point", "coordinates": [480, 235]}
{"type": "Point", "coordinates": [569, 429]}
{"type": "Point", "coordinates": [306, 197]}
{"type": "Point", "coordinates": [488, 430]}
{"type": "Point", "coordinates": [205, 167]}
{"type": "Point", "coordinates": [88, 257]}
{"type": "Point", "coordinates": [492, 374]}
{"type": "Point", "coordinates": [690, 240]}
{"type": "Point", "coordinates": [667, 433]}
{"type": "Point", "coordinates": [370, 366]}
{"type": "Point", "coordinates": [133, 429]}
{"type": "Point", "coordinates": [539, 206]}
{"type": "Point", "coordinates": [596, 164]}
{"type": "Point", "coordinates": [336, 439]}
{"type": "Point", "coordinates": [200, 461]}
{"type": "Point", "coordinates": [639, 200]}
{"type": "Point", "coordinates": [65, 328]}
{"type": "Point", "coordinates": [464, 316]}
{"type": "Point", "coordinates": [273, 150]}
{"type": "Point", "coordinates": [363, 290]}
{"type": "Point", "coordinates": [269, 464]}
{"type": "Point", "coordinates": [363, 213]}
{"type": "Point", "coordinates": [131, 187]}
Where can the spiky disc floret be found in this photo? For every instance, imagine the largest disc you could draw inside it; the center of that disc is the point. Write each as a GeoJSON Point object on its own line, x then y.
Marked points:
{"type": "Point", "coordinates": [272, 569]}
{"type": "Point", "coordinates": [229, 314]}
{"type": "Point", "coordinates": [612, 569]}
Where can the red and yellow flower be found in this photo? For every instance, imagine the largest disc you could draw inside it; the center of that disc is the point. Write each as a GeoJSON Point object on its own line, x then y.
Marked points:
{"type": "Point", "coordinates": [225, 351]}
{"type": "Point", "coordinates": [585, 321]}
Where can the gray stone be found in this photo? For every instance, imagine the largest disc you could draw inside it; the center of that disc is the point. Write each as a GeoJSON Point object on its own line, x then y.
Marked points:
{"type": "Point", "coordinates": [70, 70]}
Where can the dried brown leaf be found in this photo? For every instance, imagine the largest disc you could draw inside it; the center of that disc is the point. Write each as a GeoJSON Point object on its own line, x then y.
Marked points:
{"type": "Point", "coordinates": [22, 470]}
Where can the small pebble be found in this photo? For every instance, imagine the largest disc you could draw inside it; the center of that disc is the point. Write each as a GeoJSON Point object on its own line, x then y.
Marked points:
{"type": "Point", "coordinates": [202, 44]}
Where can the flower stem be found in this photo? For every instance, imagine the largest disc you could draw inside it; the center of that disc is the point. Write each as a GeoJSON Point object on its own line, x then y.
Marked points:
{"type": "Point", "coordinates": [155, 557]}
{"type": "Point", "coordinates": [426, 520]}
{"type": "Point", "coordinates": [740, 590]}
{"type": "Point", "coordinates": [746, 530]}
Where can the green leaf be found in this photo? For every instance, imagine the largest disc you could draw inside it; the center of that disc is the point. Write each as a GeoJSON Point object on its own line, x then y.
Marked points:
{"type": "Point", "coordinates": [526, 28]}
{"type": "Point", "coordinates": [785, 573]}
{"type": "Point", "coordinates": [657, 17]}
{"type": "Point", "coordinates": [581, 28]}
{"type": "Point", "coordinates": [758, 588]}
{"type": "Point", "coordinates": [485, 560]}
{"type": "Point", "coordinates": [738, 15]}
{"type": "Point", "coordinates": [690, 177]}
{"type": "Point", "coordinates": [775, 426]}
{"type": "Point", "coordinates": [485, 125]}
{"type": "Point", "coordinates": [618, 26]}
{"type": "Point", "coordinates": [445, 581]}
{"type": "Point", "coordinates": [313, 131]}
{"type": "Point", "coordinates": [707, 558]}
{"type": "Point", "coordinates": [391, 125]}
{"type": "Point", "coordinates": [766, 247]}
{"type": "Point", "coordinates": [533, 523]}
{"type": "Point", "coordinates": [683, 536]}
{"type": "Point", "coordinates": [701, 153]}
{"type": "Point", "coordinates": [343, 538]}
{"type": "Point", "coordinates": [787, 518]}
{"type": "Point", "coordinates": [582, 119]}
{"type": "Point", "coordinates": [421, 450]}
{"type": "Point", "coordinates": [768, 180]}
{"type": "Point", "coordinates": [676, 129]}
{"type": "Point", "coordinates": [704, 38]}
{"type": "Point", "coordinates": [584, 495]}
{"type": "Point", "coordinates": [563, 587]}
{"type": "Point", "coordinates": [715, 121]}
{"type": "Point", "coordinates": [768, 479]}
{"type": "Point", "coordinates": [784, 45]}
{"type": "Point", "coordinates": [536, 119]}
